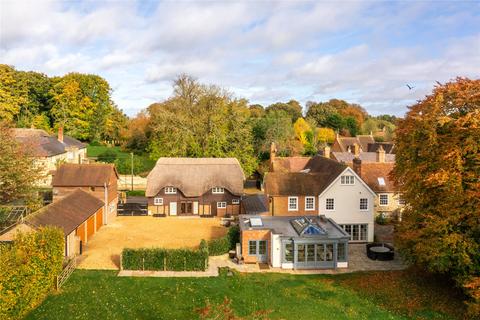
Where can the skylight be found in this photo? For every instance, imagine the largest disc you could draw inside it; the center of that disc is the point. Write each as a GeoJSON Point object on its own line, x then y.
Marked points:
{"type": "Point", "coordinates": [381, 181]}
{"type": "Point", "coordinates": [256, 222]}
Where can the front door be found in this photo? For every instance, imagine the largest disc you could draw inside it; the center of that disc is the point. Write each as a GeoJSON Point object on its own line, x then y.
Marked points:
{"type": "Point", "coordinates": [186, 207]}
{"type": "Point", "coordinates": [173, 208]}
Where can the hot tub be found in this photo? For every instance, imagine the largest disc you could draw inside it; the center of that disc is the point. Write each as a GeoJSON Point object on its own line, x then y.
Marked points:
{"type": "Point", "coordinates": [380, 251]}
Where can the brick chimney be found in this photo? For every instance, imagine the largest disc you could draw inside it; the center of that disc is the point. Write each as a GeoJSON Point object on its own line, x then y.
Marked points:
{"type": "Point", "coordinates": [273, 154]}
{"type": "Point", "coordinates": [357, 166]}
{"type": "Point", "coordinates": [380, 154]}
{"type": "Point", "coordinates": [60, 134]}
{"type": "Point", "coordinates": [356, 150]}
{"type": "Point", "coordinates": [326, 152]}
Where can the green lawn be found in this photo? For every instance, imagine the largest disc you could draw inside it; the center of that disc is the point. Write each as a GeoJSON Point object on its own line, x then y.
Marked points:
{"type": "Point", "coordinates": [102, 295]}
{"type": "Point", "coordinates": [142, 163]}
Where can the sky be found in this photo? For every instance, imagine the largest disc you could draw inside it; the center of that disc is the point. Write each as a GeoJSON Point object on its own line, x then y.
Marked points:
{"type": "Point", "coordinates": [364, 52]}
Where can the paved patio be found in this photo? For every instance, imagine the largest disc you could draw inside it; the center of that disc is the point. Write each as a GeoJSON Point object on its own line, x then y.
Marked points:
{"type": "Point", "coordinates": [103, 250]}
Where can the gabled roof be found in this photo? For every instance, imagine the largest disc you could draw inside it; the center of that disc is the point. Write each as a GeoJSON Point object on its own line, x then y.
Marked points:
{"type": "Point", "coordinates": [67, 213]}
{"type": "Point", "coordinates": [366, 157]}
{"type": "Point", "coordinates": [361, 140]}
{"type": "Point", "coordinates": [377, 176]}
{"type": "Point", "coordinates": [317, 175]}
{"type": "Point", "coordinates": [389, 147]}
{"type": "Point", "coordinates": [44, 145]}
{"type": "Point", "coordinates": [83, 175]}
{"type": "Point", "coordinates": [195, 176]}
{"type": "Point", "coordinates": [289, 164]}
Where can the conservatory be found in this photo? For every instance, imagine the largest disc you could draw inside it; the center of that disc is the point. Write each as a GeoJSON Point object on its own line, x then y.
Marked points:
{"type": "Point", "coordinates": [313, 242]}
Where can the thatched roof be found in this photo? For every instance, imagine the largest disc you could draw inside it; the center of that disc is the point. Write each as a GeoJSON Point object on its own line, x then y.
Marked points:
{"type": "Point", "coordinates": [83, 175]}
{"type": "Point", "coordinates": [195, 176]}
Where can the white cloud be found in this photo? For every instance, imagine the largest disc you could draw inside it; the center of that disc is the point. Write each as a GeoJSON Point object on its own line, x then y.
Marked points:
{"type": "Point", "coordinates": [265, 51]}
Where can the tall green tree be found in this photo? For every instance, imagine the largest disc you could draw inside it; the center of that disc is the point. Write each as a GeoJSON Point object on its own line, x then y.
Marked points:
{"type": "Point", "coordinates": [201, 121]}
{"type": "Point", "coordinates": [438, 170]}
{"type": "Point", "coordinates": [292, 108]}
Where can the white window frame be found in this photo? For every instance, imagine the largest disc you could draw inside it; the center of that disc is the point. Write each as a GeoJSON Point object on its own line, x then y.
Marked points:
{"type": "Point", "coordinates": [221, 205]}
{"type": "Point", "coordinates": [157, 201]}
{"type": "Point", "coordinates": [235, 201]}
{"type": "Point", "coordinates": [170, 190]}
{"type": "Point", "coordinates": [296, 204]}
{"type": "Point", "coordinates": [363, 209]}
{"type": "Point", "coordinates": [326, 204]}
{"type": "Point", "coordinates": [380, 199]}
{"type": "Point", "coordinates": [307, 208]}
{"type": "Point", "coordinates": [218, 190]}
{"type": "Point", "coordinates": [347, 180]}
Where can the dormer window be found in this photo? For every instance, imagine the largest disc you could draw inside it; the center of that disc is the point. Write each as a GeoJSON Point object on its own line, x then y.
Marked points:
{"type": "Point", "coordinates": [347, 180]}
{"type": "Point", "coordinates": [170, 190]}
{"type": "Point", "coordinates": [218, 190]}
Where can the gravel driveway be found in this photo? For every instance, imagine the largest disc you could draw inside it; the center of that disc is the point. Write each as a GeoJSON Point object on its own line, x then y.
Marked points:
{"type": "Point", "coordinates": [103, 250]}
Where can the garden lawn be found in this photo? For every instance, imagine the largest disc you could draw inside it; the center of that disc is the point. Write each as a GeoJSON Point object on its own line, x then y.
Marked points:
{"type": "Point", "coordinates": [143, 164]}
{"type": "Point", "coordinates": [102, 295]}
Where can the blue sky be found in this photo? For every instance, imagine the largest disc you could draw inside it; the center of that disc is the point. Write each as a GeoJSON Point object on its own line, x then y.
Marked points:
{"type": "Point", "coordinates": [361, 51]}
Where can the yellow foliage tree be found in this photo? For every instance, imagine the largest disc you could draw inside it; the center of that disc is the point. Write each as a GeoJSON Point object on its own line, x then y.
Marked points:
{"type": "Point", "coordinates": [301, 127]}
{"type": "Point", "coordinates": [325, 135]}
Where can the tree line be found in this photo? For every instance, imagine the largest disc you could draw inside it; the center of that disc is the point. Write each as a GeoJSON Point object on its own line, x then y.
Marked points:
{"type": "Point", "coordinates": [81, 103]}
{"type": "Point", "coordinates": [201, 120]}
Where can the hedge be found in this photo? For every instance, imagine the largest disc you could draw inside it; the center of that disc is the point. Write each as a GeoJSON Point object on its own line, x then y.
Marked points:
{"type": "Point", "coordinates": [159, 259]}
{"type": "Point", "coordinates": [28, 269]}
{"type": "Point", "coordinates": [222, 245]}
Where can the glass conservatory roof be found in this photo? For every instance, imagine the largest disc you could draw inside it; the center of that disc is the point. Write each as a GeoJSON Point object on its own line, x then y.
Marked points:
{"type": "Point", "coordinates": [305, 226]}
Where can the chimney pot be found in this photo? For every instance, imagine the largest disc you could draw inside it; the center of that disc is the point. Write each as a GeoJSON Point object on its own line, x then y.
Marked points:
{"type": "Point", "coordinates": [60, 134]}
{"type": "Point", "coordinates": [357, 166]}
{"type": "Point", "coordinates": [326, 152]}
{"type": "Point", "coordinates": [380, 154]}
{"type": "Point", "coordinates": [356, 149]}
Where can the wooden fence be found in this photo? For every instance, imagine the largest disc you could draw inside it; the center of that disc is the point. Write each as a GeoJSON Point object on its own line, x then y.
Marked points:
{"type": "Point", "coordinates": [66, 272]}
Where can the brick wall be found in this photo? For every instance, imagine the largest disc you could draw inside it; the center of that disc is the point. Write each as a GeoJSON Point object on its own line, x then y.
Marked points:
{"type": "Point", "coordinates": [254, 235]}
{"type": "Point", "coordinates": [279, 207]}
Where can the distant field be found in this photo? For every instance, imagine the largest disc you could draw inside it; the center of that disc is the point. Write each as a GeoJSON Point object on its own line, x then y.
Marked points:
{"type": "Point", "coordinates": [374, 295]}
{"type": "Point", "coordinates": [142, 163]}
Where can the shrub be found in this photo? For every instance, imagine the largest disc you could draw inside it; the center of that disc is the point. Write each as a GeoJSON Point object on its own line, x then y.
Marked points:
{"type": "Point", "coordinates": [222, 245]}
{"type": "Point", "coordinates": [28, 269]}
{"type": "Point", "coordinates": [164, 259]}
{"type": "Point", "coordinates": [108, 156]}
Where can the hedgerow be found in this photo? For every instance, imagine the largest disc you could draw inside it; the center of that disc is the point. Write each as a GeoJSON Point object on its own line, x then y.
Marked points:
{"type": "Point", "coordinates": [222, 245]}
{"type": "Point", "coordinates": [159, 259]}
{"type": "Point", "coordinates": [28, 269]}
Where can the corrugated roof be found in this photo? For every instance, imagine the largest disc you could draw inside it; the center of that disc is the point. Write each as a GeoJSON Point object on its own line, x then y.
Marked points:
{"type": "Point", "coordinates": [83, 175]}
{"type": "Point", "coordinates": [372, 171]}
{"type": "Point", "coordinates": [67, 213]}
{"type": "Point", "coordinates": [195, 176]}
{"type": "Point", "coordinates": [319, 173]}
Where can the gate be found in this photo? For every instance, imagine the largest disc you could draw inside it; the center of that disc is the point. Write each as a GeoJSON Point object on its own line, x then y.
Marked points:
{"type": "Point", "coordinates": [132, 209]}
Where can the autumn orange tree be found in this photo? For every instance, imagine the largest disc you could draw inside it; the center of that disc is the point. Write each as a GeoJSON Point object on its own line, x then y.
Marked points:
{"type": "Point", "coordinates": [438, 171]}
